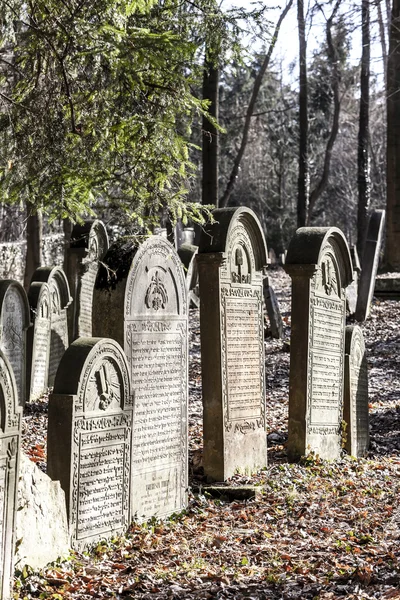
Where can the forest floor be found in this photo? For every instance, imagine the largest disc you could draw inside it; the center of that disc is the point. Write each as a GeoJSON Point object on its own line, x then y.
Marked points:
{"type": "Point", "coordinates": [316, 530]}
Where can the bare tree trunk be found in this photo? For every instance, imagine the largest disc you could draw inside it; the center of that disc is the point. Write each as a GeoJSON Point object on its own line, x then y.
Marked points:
{"type": "Point", "coordinates": [382, 35]}
{"type": "Point", "coordinates": [210, 135]}
{"type": "Point", "coordinates": [304, 174]}
{"type": "Point", "coordinates": [34, 244]}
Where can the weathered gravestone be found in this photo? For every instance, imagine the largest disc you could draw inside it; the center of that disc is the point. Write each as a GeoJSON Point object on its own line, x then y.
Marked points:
{"type": "Point", "coordinates": [187, 254]}
{"type": "Point", "coordinates": [145, 309]}
{"type": "Point", "coordinates": [89, 438]}
{"type": "Point", "coordinates": [10, 437]}
{"type": "Point", "coordinates": [273, 311]}
{"type": "Point", "coordinates": [355, 413]}
{"type": "Point", "coordinates": [370, 263]}
{"type": "Point", "coordinates": [38, 342]}
{"type": "Point", "coordinates": [231, 261]}
{"type": "Point", "coordinates": [352, 289]}
{"type": "Point", "coordinates": [60, 299]}
{"type": "Point", "coordinates": [319, 263]}
{"type": "Point", "coordinates": [14, 317]}
{"type": "Point", "coordinates": [89, 243]}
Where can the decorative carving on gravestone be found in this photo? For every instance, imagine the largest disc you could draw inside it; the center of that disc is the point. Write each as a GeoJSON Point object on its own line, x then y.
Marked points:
{"type": "Point", "coordinates": [60, 299]}
{"type": "Point", "coordinates": [352, 289]}
{"type": "Point", "coordinates": [187, 254]}
{"type": "Point", "coordinates": [319, 263]}
{"type": "Point", "coordinates": [89, 243]}
{"type": "Point", "coordinates": [38, 340]}
{"type": "Point", "coordinates": [89, 438]}
{"type": "Point", "coordinates": [140, 299]}
{"type": "Point", "coordinates": [355, 413]}
{"type": "Point", "coordinates": [231, 261]}
{"type": "Point", "coordinates": [14, 318]}
{"type": "Point", "coordinates": [370, 263]}
{"type": "Point", "coordinates": [10, 438]}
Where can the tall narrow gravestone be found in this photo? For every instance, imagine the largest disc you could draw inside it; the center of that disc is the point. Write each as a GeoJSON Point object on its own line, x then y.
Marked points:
{"type": "Point", "coordinates": [89, 243]}
{"type": "Point", "coordinates": [14, 317]}
{"type": "Point", "coordinates": [355, 413]}
{"type": "Point", "coordinates": [10, 437]}
{"type": "Point", "coordinates": [370, 263]}
{"type": "Point", "coordinates": [144, 307]}
{"type": "Point", "coordinates": [60, 299]}
{"type": "Point", "coordinates": [89, 438]}
{"type": "Point", "coordinates": [231, 261]}
{"type": "Point", "coordinates": [319, 263]}
{"type": "Point", "coordinates": [39, 336]}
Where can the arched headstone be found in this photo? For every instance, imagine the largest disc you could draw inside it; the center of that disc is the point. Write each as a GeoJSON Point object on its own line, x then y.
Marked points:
{"type": "Point", "coordinates": [14, 318]}
{"type": "Point", "coordinates": [319, 263]}
{"type": "Point", "coordinates": [144, 305]}
{"type": "Point", "coordinates": [89, 438]}
{"type": "Point", "coordinates": [231, 261]}
{"type": "Point", "coordinates": [39, 336]}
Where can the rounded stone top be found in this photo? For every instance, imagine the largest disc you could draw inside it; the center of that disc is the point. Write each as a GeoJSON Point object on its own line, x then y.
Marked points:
{"type": "Point", "coordinates": [9, 405]}
{"type": "Point", "coordinates": [50, 275]}
{"type": "Point", "coordinates": [83, 234]}
{"type": "Point", "coordinates": [37, 291]}
{"type": "Point", "coordinates": [354, 334]}
{"type": "Point", "coordinates": [187, 252]}
{"type": "Point", "coordinates": [375, 224]}
{"type": "Point", "coordinates": [7, 286]}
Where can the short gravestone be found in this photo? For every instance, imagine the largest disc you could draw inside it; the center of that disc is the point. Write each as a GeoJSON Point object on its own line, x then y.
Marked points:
{"type": "Point", "coordinates": [144, 306]}
{"type": "Point", "coordinates": [231, 261]}
{"type": "Point", "coordinates": [319, 263]}
{"type": "Point", "coordinates": [89, 438]}
{"type": "Point", "coordinates": [187, 254]}
{"type": "Point", "coordinates": [89, 243]}
{"type": "Point", "coordinates": [352, 289]}
{"type": "Point", "coordinates": [355, 413]}
{"type": "Point", "coordinates": [14, 318]}
{"type": "Point", "coordinates": [38, 342]}
{"type": "Point", "coordinates": [60, 299]}
{"type": "Point", "coordinates": [370, 263]}
{"type": "Point", "coordinates": [10, 438]}
{"type": "Point", "coordinates": [273, 311]}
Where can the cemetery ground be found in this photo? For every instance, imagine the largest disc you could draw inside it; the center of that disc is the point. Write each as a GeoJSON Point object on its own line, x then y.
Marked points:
{"type": "Point", "coordinates": [316, 529]}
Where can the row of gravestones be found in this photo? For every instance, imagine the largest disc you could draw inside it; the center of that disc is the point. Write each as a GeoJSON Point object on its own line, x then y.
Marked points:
{"type": "Point", "coordinates": [117, 431]}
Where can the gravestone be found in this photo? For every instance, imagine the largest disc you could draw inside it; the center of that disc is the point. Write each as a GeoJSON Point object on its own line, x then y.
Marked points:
{"type": "Point", "coordinates": [89, 438]}
{"type": "Point", "coordinates": [38, 340]}
{"type": "Point", "coordinates": [60, 299]}
{"type": "Point", "coordinates": [231, 261]}
{"type": "Point", "coordinates": [10, 438]}
{"type": "Point", "coordinates": [14, 317]}
{"type": "Point", "coordinates": [319, 263]}
{"type": "Point", "coordinates": [89, 243]}
{"type": "Point", "coordinates": [370, 263]}
{"type": "Point", "coordinates": [273, 311]}
{"type": "Point", "coordinates": [147, 292]}
{"type": "Point", "coordinates": [187, 254]}
{"type": "Point", "coordinates": [355, 413]}
{"type": "Point", "coordinates": [352, 289]}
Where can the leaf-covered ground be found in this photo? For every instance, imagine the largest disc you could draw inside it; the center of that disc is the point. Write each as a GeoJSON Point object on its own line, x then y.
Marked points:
{"type": "Point", "coordinates": [315, 530]}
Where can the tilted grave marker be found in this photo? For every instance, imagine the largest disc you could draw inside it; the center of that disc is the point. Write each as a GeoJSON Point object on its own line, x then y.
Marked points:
{"type": "Point", "coordinates": [14, 318]}
{"type": "Point", "coordinates": [144, 306]}
{"type": "Point", "coordinates": [319, 263]}
{"type": "Point", "coordinates": [273, 311]}
{"type": "Point", "coordinates": [39, 336]}
{"type": "Point", "coordinates": [231, 261]}
{"type": "Point", "coordinates": [355, 413]}
{"type": "Point", "coordinates": [187, 254]}
{"type": "Point", "coordinates": [352, 289]}
{"type": "Point", "coordinates": [89, 438]}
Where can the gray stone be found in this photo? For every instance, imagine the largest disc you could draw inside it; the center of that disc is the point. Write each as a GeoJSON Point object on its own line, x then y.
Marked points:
{"type": "Point", "coordinates": [42, 529]}
{"type": "Point", "coordinates": [14, 322]}
{"type": "Point", "coordinates": [38, 340]}
{"type": "Point", "coordinates": [370, 263]}
{"type": "Point", "coordinates": [387, 287]}
{"type": "Point", "coordinates": [187, 254]}
{"type": "Point", "coordinates": [355, 413]}
{"type": "Point", "coordinates": [89, 438]}
{"type": "Point", "coordinates": [273, 311]}
{"type": "Point", "coordinates": [147, 291]}
{"type": "Point", "coordinates": [231, 261]}
{"type": "Point", "coordinates": [319, 264]}
{"type": "Point", "coordinates": [352, 289]}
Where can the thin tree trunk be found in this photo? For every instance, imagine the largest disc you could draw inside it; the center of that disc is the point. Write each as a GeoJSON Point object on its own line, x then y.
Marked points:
{"type": "Point", "coordinates": [304, 174]}
{"type": "Point", "coordinates": [382, 35]}
{"type": "Point", "coordinates": [34, 244]}
{"type": "Point", "coordinates": [210, 135]}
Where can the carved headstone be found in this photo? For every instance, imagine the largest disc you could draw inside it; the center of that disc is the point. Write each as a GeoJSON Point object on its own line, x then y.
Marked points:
{"type": "Point", "coordinates": [319, 263]}
{"type": "Point", "coordinates": [89, 438]}
{"type": "Point", "coordinates": [14, 317]}
{"type": "Point", "coordinates": [231, 261]}
{"type": "Point", "coordinates": [60, 299]}
{"type": "Point", "coordinates": [10, 438]}
{"type": "Point", "coordinates": [355, 413]}
{"type": "Point", "coordinates": [39, 336]}
{"type": "Point", "coordinates": [352, 289]}
{"type": "Point", "coordinates": [89, 243]}
{"type": "Point", "coordinates": [370, 263]}
{"type": "Point", "coordinates": [149, 296]}
{"type": "Point", "coordinates": [187, 254]}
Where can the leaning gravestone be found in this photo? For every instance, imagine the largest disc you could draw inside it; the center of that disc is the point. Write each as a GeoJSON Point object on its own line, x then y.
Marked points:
{"type": "Point", "coordinates": [187, 254]}
{"type": "Point", "coordinates": [60, 299]}
{"type": "Point", "coordinates": [89, 438]}
{"type": "Point", "coordinates": [273, 311]}
{"type": "Point", "coordinates": [352, 289]}
{"type": "Point", "coordinates": [10, 438]}
{"type": "Point", "coordinates": [370, 263]}
{"type": "Point", "coordinates": [231, 261]}
{"type": "Point", "coordinates": [38, 341]}
{"type": "Point", "coordinates": [89, 243]}
{"type": "Point", "coordinates": [14, 318]}
{"type": "Point", "coordinates": [319, 263]}
{"type": "Point", "coordinates": [145, 308]}
{"type": "Point", "coordinates": [355, 413]}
